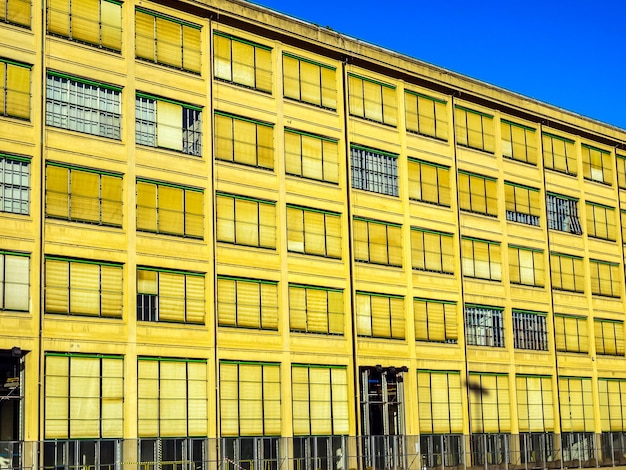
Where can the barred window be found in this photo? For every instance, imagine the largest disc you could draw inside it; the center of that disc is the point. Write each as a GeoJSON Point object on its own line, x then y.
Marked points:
{"type": "Point", "coordinates": [478, 194]}
{"type": "Point", "coordinates": [559, 154]}
{"type": "Point", "coordinates": [15, 12]}
{"type": "Point", "coordinates": [14, 184]}
{"type": "Point", "coordinates": [372, 100]}
{"type": "Point", "coordinates": [245, 141]}
{"type": "Point", "coordinates": [563, 214]}
{"type": "Point", "coordinates": [429, 182]}
{"type": "Point", "coordinates": [313, 231]}
{"type": "Point", "coordinates": [426, 115]}
{"type": "Point", "coordinates": [518, 142]}
{"type": "Point", "coordinates": [571, 333]}
{"type": "Point", "coordinates": [242, 62]}
{"type": "Point", "coordinates": [526, 266]}
{"type": "Point", "coordinates": [15, 94]}
{"type": "Point", "coordinates": [474, 129]}
{"type": "Point", "coordinates": [530, 330]}
{"type": "Point", "coordinates": [309, 81]}
{"type": "Point", "coordinates": [484, 326]}
{"type": "Point", "coordinates": [380, 315]}
{"type": "Point", "coordinates": [606, 278]}
{"type": "Point", "coordinates": [374, 170]}
{"type": "Point", "coordinates": [522, 204]}
{"type": "Point", "coordinates": [83, 105]}
{"type": "Point", "coordinates": [597, 164]}
{"type": "Point", "coordinates": [377, 242]}
{"type": "Point", "coordinates": [246, 221]}
{"type": "Point", "coordinates": [435, 320]}
{"type": "Point", "coordinates": [432, 250]}
{"type": "Point", "coordinates": [168, 124]}
{"type": "Point", "coordinates": [609, 336]}
{"type": "Point", "coordinates": [311, 156]}
{"type": "Point", "coordinates": [247, 303]}
{"type": "Point", "coordinates": [315, 309]}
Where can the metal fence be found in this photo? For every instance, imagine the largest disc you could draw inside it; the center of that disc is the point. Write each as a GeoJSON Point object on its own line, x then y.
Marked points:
{"type": "Point", "coordinates": [526, 451]}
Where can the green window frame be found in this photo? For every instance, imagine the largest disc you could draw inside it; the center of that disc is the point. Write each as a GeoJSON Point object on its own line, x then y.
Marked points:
{"type": "Point", "coordinates": [622, 218]}
{"type": "Point", "coordinates": [320, 400]}
{"type": "Point", "coordinates": [377, 242]}
{"type": "Point", "coordinates": [621, 170]}
{"type": "Point", "coordinates": [490, 412]}
{"type": "Point", "coordinates": [15, 98]}
{"type": "Point", "coordinates": [482, 259]}
{"type": "Point", "coordinates": [87, 195]}
{"type": "Point", "coordinates": [571, 333]}
{"type": "Point", "coordinates": [309, 81]}
{"type": "Point", "coordinates": [535, 404]}
{"type": "Point", "coordinates": [612, 396]}
{"type": "Point", "coordinates": [530, 330]}
{"type": "Point", "coordinates": [243, 220]}
{"type": "Point", "coordinates": [606, 278]}
{"type": "Point", "coordinates": [14, 184]}
{"type": "Point", "coordinates": [609, 336]}
{"type": "Point", "coordinates": [429, 182]}
{"type": "Point", "coordinates": [170, 209]}
{"type": "Point", "coordinates": [247, 303]}
{"type": "Point", "coordinates": [84, 396]}
{"type": "Point", "coordinates": [242, 62]}
{"type": "Point", "coordinates": [250, 398]}
{"type": "Point", "coordinates": [14, 281]}
{"type": "Point", "coordinates": [313, 231]}
{"type": "Point", "coordinates": [597, 164]}
{"type": "Point", "coordinates": [527, 266]}
{"type": "Point", "coordinates": [435, 321]}
{"type": "Point", "coordinates": [478, 193]}
{"type": "Point", "coordinates": [567, 272]}
{"type": "Point", "coordinates": [172, 399]}
{"type": "Point", "coordinates": [16, 12]}
{"type": "Point", "coordinates": [601, 221]}
{"type": "Point", "coordinates": [559, 154]}
{"type": "Point", "coordinates": [380, 315]}
{"type": "Point", "coordinates": [432, 250]}
{"type": "Point", "coordinates": [523, 204]}
{"type": "Point", "coordinates": [242, 140]}
{"type": "Point", "coordinates": [311, 156]}
{"type": "Point", "coordinates": [518, 142]}
{"type": "Point", "coordinates": [170, 296]}
{"type": "Point", "coordinates": [439, 401]}
{"type": "Point", "coordinates": [169, 41]}
{"type": "Point", "coordinates": [374, 170]}
{"type": "Point", "coordinates": [83, 287]}
{"type": "Point", "coordinates": [576, 404]}
{"type": "Point", "coordinates": [372, 100]}
{"type": "Point", "coordinates": [94, 22]}
{"type": "Point", "coordinates": [314, 309]}
{"type": "Point", "coordinates": [426, 115]}
{"type": "Point", "coordinates": [474, 129]}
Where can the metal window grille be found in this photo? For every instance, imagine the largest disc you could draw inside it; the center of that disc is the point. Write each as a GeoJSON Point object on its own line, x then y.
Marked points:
{"type": "Point", "coordinates": [529, 331]}
{"type": "Point", "coordinates": [374, 172]}
{"type": "Point", "coordinates": [484, 327]}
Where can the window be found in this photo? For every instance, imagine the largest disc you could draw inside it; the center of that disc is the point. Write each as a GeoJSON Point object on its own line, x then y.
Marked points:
{"type": "Point", "coordinates": [481, 259]}
{"type": "Point", "coordinates": [429, 182]}
{"type": "Point", "coordinates": [601, 221]}
{"type": "Point", "coordinates": [374, 170]}
{"type": "Point", "coordinates": [171, 397]}
{"type": "Point", "coordinates": [14, 184]}
{"type": "Point", "coordinates": [84, 396]}
{"type": "Point", "coordinates": [14, 281]}
{"type": "Point", "coordinates": [250, 398]}
{"type": "Point", "coordinates": [576, 404]}
{"type": "Point", "coordinates": [372, 100]}
{"type": "Point", "coordinates": [168, 124]}
{"type": "Point", "coordinates": [243, 140]}
{"type": "Point", "coordinates": [426, 115]}
{"type": "Point", "coordinates": [621, 170]}
{"type": "Point", "coordinates": [170, 296]}
{"type": "Point", "coordinates": [15, 80]}
{"type": "Point", "coordinates": [167, 40]}
{"type": "Point", "coordinates": [559, 154]}
{"type": "Point", "coordinates": [440, 407]}
{"type": "Point", "coordinates": [563, 214]}
{"type": "Point", "coordinates": [377, 242]}
{"type": "Point", "coordinates": [169, 209]}
{"type": "Point", "coordinates": [490, 411]}
{"type": "Point", "coordinates": [606, 278]}
{"type": "Point", "coordinates": [518, 142]}
{"type": "Point", "coordinates": [315, 309]}
{"type": "Point", "coordinates": [484, 326]}
{"type": "Point", "coordinates": [571, 333]}
{"type": "Point", "coordinates": [83, 194]}
{"type": "Point", "coordinates": [84, 287]}
{"type": "Point", "coordinates": [526, 266]}
{"type": "Point", "coordinates": [246, 221]}
{"type": "Point", "coordinates": [597, 164]}
{"type": "Point", "coordinates": [474, 129]}
{"type": "Point", "coordinates": [432, 250]}
{"type": "Point", "coordinates": [530, 330]}
{"type": "Point", "coordinates": [15, 12]}
{"type": "Point", "coordinates": [313, 231]}
{"type": "Point", "coordinates": [311, 156]}
{"type": "Point", "coordinates": [242, 62]}
{"type": "Point", "coordinates": [567, 272]}
{"type": "Point", "coordinates": [612, 396]}
{"type": "Point", "coordinates": [534, 403]}
{"type": "Point", "coordinates": [320, 399]}
{"type": "Point", "coordinates": [309, 81]}
{"type": "Point", "coordinates": [380, 316]}
{"type": "Point", "coordinates": [435, 321]}
{"type": "Point", "coordinates": [83, 106]}
{"type": "Point", "coordinates": [97, 22]}
{"type": "Point", "coordinates": [478, 194]}
{"type": "Point", "coordinates": [622, 215]}
{"type": "Point", "coordinates": [247, 303]}
{"type": "Point", "coordinates": [609, 336]}
{"type": "Point", "coordinates": [522, 204]}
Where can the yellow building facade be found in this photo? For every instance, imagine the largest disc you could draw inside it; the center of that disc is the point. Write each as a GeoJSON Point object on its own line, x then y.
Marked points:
{"type": "Point", "coordinates": [232, 238]}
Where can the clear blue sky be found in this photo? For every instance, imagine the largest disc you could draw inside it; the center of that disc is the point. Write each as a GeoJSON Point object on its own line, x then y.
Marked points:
{"type": "Point", "coordinates": [571, 54]}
